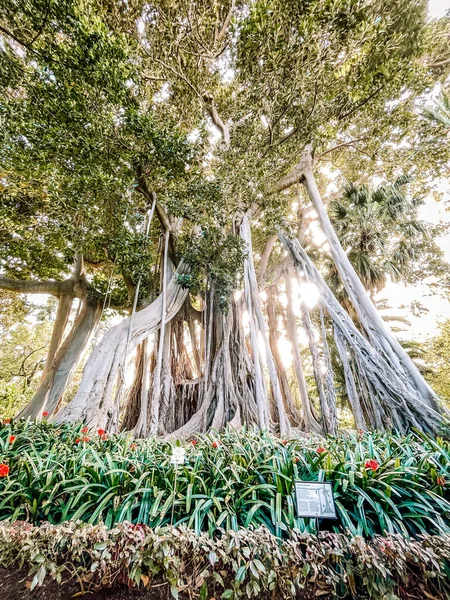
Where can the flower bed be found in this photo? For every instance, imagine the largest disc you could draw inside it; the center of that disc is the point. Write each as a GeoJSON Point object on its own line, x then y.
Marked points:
{"type": "Point", "coordinates": [236, 564]}
{"type": "Point", "coordinates": [382, 483]}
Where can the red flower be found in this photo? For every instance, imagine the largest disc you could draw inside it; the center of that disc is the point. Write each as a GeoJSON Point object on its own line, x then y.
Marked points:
{"type": "Point", "coordinates": [85, 439]}
{"type": "Point", "coordinates": [284, 442]}
{"type": "Point", "coordinates": [77, 441]}
{"type": "Point", "coordinates": [101, 432]}
{"type": "Point", "coordinates": [440, 481]}
{"type": "Point", "coordinates": [6, 421]}
{"type": "Point", "coordinates": [12, 439]}
{"type": "Point", "coordinates": [320, 450]}
{"type": "Point", "coordinates": [4, 470]}
{"type": "Point", "coordinates": [372, 465]}
{"type": "Point", "coordinates": [85, 430]}
{"type": "Point", "coordinates": [104, 437]}
{"type": "Point", "coordinates": [45, 413]}
{"type": "Point", "coordinates": [296, 459]}
{"type": "Point", "coordinates": [194, 442]}
{"type": "Point", "coordinates": [133, 446]}
{"type": "Point", "coordinates": [215, 444]}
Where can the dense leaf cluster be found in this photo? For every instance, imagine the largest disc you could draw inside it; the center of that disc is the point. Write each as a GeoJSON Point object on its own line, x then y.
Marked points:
{"type": "Point", "coordinates": [382, 483]}
{"type": "Point", "coordinates": [237, 564]}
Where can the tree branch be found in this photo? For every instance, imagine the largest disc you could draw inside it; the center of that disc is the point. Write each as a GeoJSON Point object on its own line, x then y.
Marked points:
{"type": "Point", "coordinates": [295, 175]}
{"type": "Point", "coordinates": [212, 110]}
{"type": "Point", "coordinates": [349, 143]}
{"type": "Point", "coordinates": [361, 104]}
{"type": "Point", "coordinates": [440, 63]}
{"type": "Point", "coordinates": [54, 288]}
{"type": "Point", "coordinates": [264, 261]}
{"type": "Point", "coordinates": [78, 269]}
{"type": "Point", "coordinates": [226, 23]}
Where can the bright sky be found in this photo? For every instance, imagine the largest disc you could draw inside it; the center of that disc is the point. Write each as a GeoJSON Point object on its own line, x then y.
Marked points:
{"type": "Point", "coordinates": [438, 8]}
{"type": "Point", "coordinates": [399, 295]}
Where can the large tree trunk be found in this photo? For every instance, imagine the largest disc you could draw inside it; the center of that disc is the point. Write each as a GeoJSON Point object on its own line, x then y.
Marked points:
{"type": "Point", "coordinates": [329, 380]}
{"type": "Point", "coordinates": [368, 315]}
{"type": "Point", "coordinates": [60, 373]}
{"type": "Point", "coordinates": [274, 338]}
{"type": "Point", "coordinates": [251, 282]}
{"type": "Point", "coordinates": [229, 395]}
{"type": "Point", "coordinates": [65, 302]}
{"type": "Point", "coordinates": [402, 403]}
{"type": "Point", "coordinates": [260, 387]}
{"type": "Point", "coordinates": [93, 400]}
{"type": "Point", "coordinates": [133, 403]}
{"type": "Point", "coordinates": [156, 391]}
{"type": "Point", "coordinates": [350, 384]}
{"type": "Point", "coordinates": [317, 367]}
{"type": "Point", "coordinates": [291, 329]}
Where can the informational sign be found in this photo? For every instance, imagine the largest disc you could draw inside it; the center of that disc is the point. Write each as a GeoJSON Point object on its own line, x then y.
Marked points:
{"type": "Point", "coordinates": [315, 500]}
{"type": "Point", "coordinates": [178, 456]}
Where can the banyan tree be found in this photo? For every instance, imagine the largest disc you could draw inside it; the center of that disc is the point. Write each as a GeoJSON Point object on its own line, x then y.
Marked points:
{"type": "Point", "coordinates": [170, 161]}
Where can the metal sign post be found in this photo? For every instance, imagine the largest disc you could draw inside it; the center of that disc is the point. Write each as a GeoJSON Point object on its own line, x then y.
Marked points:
{"type": "Point", "coordinates": [177, 458]}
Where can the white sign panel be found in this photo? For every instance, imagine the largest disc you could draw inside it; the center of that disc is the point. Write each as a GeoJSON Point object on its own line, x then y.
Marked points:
{"type": "Point", "coordinates": [315, 500]}
{"type": "Point", "coordinates": [178, 456]}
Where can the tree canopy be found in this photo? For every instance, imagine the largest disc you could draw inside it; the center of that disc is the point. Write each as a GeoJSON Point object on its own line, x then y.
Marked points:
{"type": "Point", "coordinates": [211, 117]}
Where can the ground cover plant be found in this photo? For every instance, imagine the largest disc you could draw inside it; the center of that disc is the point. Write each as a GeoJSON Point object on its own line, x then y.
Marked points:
{"type": "Point", "coordinates": [175, 562]}
{"type": "Point", "coordinates": [383, 483]}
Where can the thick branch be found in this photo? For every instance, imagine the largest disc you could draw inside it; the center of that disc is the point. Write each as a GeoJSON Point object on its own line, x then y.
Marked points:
{"type": "Point", "coordinates": [262, 267]}
{"type": "Point", "coordinates": [342, 145]}
{"type": "Point", "coordinates": [440, 63]}
{"type": "Point", "coordinates": [212, 110]}
{"type": "Point", "coordinates": [54, 288]}
{"type": "Point", "coordinates": [296, 174]}
{"type": "Point", "coordinates": [227, 21]}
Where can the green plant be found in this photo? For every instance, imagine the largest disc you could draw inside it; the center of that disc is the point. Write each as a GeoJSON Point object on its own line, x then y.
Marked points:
{"type": "Point", "coordinates": [247, 563]}
{"type": "Point", "coordinates": [229, 480]}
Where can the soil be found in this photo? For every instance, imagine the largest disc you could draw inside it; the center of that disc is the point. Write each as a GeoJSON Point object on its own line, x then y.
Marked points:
{"type": "Point", "coordinates": [14, 585]}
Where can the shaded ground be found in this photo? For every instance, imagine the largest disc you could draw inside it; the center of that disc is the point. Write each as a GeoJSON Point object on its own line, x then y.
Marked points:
{"type": "Point", "coordinates": [13, 586]}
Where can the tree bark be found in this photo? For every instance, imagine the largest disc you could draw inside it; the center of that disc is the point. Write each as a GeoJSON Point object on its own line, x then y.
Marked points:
{"type": "Point", "coordinates": [274, 338]}
{"type": "Point", "coordinates": [264, 261]}
{"type": "Point", "coordinates": [156, 395]}
{"type": "Point", "coordinates": [368, 315]}
{"type": "Point", "coordinates": [31, 287]}
{"type": "Point", "coordinates": [59, 375]}
{"type": "Point", "coordinates": [403, 403]}
{"type": "Point", "coordinates": [260, 388]}
{"type": "Point", "coordinates": [291, 330]}
{"type": "Point", "coordinates": [255, 301]}
{"type": "Point", "coordinates": [65, 302]}
{"type": "Point", "coordinates": [329, 380]}
{"type": "Point", "coordinates": [133, 406]}
{"type": "Point", "coordinates": [316, 365]}
{"type": "Point", "coordinates": [350, 384]}
{"type": "Point", "coordinates": [93, 399]}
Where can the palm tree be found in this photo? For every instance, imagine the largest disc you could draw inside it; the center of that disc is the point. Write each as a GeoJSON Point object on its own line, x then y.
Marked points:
{"type": "Point", "coordinates": [440, 114]}
{"type": "Point", "coordinates": [381, 234]}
